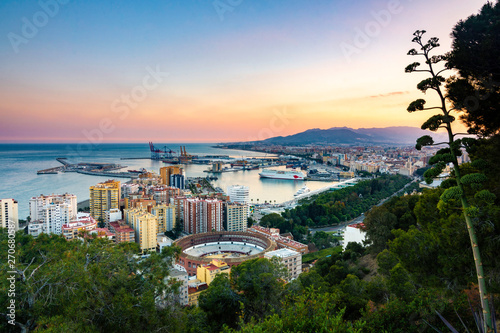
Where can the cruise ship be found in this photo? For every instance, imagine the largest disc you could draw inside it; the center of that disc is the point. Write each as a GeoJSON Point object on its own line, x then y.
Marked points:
{"type": "Point", "coordinates": [282, 174]}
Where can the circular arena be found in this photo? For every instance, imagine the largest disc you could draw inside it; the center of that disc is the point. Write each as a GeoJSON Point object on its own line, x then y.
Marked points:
{"type": "Point", "coordinates": [233, 247]}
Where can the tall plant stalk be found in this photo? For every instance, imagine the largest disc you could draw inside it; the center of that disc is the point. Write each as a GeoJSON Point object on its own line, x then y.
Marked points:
{"type": "Point", "coordinates": [447, 155]}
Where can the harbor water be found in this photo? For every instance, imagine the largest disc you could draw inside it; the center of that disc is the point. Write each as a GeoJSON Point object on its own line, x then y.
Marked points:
{"type": "Point", "coordinates": [20, 162]}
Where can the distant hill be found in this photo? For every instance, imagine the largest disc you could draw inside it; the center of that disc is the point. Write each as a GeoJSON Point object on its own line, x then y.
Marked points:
{"type": "Point", "coordinates": [345, 135]}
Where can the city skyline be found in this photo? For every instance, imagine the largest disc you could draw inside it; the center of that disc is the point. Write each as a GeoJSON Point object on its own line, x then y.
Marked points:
{"type": "Point", "coordinates": [209, 71]}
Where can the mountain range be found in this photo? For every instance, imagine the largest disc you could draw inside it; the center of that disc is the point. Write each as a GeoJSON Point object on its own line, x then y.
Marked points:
{"type": "Point", "coordinates": [401, 135]}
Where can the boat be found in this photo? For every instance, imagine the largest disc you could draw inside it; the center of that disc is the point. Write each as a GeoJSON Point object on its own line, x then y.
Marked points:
{"type": "Point", "coordinates": [251, 167]}
{"type": "Point", "coordinates": [174, 160]}
{"type": "Point", "coordinates": [239, 163]}
{"type": "Point", "coordinates": [303, 190]}
{"type": "Point", "coordinates": [282, 174]}
{"type": "Point", "coordinates": [138, 171]}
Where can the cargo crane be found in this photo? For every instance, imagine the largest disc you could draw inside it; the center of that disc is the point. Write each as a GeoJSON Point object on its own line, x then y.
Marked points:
{"type": "Point", "coordinates": [185, 157]}
{"type": "Point", "coordinates": [158, 154]}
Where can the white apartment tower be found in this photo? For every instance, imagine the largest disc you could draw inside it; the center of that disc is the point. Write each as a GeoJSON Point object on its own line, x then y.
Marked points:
{"type": "Point", "coordinates": [49, 213]}
{"type": "Point", "coordinates": [8, 213]}
{"type": "Point", "coordinates": [238, 193]}
{"type": "Point", "coordinates": [37, 204]}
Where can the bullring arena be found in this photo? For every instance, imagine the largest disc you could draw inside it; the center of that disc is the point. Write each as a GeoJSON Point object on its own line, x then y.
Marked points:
{"type": "Point", "coordinates": [233, 247]}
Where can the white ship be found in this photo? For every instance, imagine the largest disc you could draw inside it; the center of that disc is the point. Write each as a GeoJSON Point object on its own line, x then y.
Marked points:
{"type": "Point", "coordinates": [303, 190]}
{"type": "Point", "coordinates": [282, 174]}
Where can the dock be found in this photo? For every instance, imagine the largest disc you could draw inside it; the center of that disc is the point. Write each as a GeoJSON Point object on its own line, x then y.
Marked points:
{"type": "Point", "coordinates": [93, 169]}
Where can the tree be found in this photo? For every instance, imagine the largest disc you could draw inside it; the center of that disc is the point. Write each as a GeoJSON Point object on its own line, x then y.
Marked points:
{"type": "Point", "coordinates": [379, 222]}
{"type": "Point", "coordinates": [101, 223]}
{"type": "Point", "coordinates": [444, 119]}
{"type": "Point", "coordinates": [220, 303]}
{"type": "Point", "coordinates": [176, 231]}
{"type": "Point", "coordinates": [272, 220]}
{"type": "Point", "coordinates": [309, 312]}
{"type": "Point", "coordinates": [386, 261]}
{"type": "Point", "coordinates": [418, 252]}
{"type": "Point", "coordinates": [250, 222]}
{"type": "Point", "coordinates": [261, 283]}
{"type": "Point", "coordinates": [323, 240]}
{"type": "Point", "coordinates": [476, 56]}
{"type": "Point", "coordinates": [88, 285]}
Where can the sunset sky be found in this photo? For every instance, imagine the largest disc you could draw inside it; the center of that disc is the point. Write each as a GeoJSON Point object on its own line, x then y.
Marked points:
{"type": "Point", "coordinates": [210, 71]}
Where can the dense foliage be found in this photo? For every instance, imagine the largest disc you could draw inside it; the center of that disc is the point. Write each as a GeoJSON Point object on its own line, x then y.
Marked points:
{"type": "Point", "coordinates": [87, 286]}
{"type": "Point", "coordinates": [476, 56]}
{"type": "Point", "coordinates": [254, 290]}
{"type": "Point", "coordinates": [347, 203]}
{"type": "Point", "coordinates": [482, 118]}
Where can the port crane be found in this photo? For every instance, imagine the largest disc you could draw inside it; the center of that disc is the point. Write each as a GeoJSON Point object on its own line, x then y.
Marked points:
{"type": "Point", "coordinates": [185, 157]}
{"type": "Point", "coordinates": [158, 154]}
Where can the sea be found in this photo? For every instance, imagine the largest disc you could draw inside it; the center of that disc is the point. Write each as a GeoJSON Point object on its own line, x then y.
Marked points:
{"type": "Point", "coordinates": [19, 164]}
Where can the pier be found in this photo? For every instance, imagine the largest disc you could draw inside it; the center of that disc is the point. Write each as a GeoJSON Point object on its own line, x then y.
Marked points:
{"type": "Point", "coordinates": [93, 169]}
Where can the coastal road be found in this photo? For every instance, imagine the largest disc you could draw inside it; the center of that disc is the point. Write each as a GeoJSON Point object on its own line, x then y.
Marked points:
{"type": "Point", "coordinates": [341, 226]}
{"type": "Point", "coordinates": [358, 219]}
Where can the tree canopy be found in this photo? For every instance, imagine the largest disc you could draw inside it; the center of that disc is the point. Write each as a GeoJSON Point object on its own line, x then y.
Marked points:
{"type": "Point", "coordinates": [476, 56]}
{"type": "Point", "coordinates": [90, 285]}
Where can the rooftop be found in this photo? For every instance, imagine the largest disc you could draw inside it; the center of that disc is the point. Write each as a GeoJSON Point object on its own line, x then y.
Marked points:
{"type": "Point", "coordinates": [281, 253]}
{"type": "Point", "coordinates": [174, 272]}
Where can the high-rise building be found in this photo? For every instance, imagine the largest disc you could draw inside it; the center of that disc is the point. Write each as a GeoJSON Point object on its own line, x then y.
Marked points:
{"type": "Point", "coordinates": [166, 172]}
{"type": "Point", "coordinates": [38, 204]}
{"type": "Point", "coordinates": [290, 258]}
{"type": "Point", "coordinates": [48, 213]}
{"type": "Point", "coordinates": [202, 215]}
{"type": "Point", "coordinates": [178, 202]}
{"type": "Point", "coordinates": [145, 226]}
{"type": "Point", "coordinates": [178, 181]}
{"type": "Point", "coordinates": [9, 214]}
{"type": "Point", "coordinates": [166, 217]}
{"type": "Point", "coordinates": [238, 193]}
{"type": "Point", "coordinates": [235, 217]}
{"type": "Point", "coordinates": [103, 197]}
{"type": "Point", "coordinates": [163, 193]}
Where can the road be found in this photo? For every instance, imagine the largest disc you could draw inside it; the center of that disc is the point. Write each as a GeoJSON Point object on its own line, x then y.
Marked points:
{"type": "Point", "coordinates": [341, 226]}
